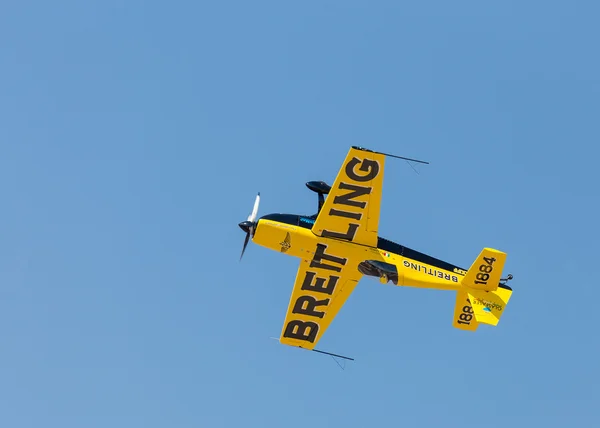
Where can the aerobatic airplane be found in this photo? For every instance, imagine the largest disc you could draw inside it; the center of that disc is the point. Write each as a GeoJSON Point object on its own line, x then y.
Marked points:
{"type": "Point", "coordinates": [340, 244]}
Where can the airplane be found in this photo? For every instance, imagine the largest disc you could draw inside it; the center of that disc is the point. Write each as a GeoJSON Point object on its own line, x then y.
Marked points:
{"type": "Point", "coordinates": [340, 244]}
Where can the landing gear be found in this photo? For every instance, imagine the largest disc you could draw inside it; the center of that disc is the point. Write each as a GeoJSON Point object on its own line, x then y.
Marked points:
{"type": "Point", "coordinates": [386, 272]}
{"type": "Point", "coordinates": [503, 281]}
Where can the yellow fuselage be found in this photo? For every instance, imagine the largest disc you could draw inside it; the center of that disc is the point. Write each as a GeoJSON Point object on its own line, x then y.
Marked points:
{"type": "Point", "coordinates": [302, 243]}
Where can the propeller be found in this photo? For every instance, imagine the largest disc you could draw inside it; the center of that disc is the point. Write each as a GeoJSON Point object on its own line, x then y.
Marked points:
{"type": "Point", "coordinates": [249, 225]}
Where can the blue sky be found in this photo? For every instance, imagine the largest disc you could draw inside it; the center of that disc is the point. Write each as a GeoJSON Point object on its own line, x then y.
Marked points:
{"type": "Point", "coordinates": [134, 139]}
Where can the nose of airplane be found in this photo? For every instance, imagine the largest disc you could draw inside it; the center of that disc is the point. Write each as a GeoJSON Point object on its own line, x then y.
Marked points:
{"type": "Point", "coordinates": [245, 226]}
{"type": "Point", "coordinates": [248, 225]}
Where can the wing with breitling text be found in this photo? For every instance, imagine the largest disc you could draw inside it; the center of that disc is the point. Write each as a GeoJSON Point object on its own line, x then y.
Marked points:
{"type": "Point", "coordinates": [322, 286]}
{"type": "Point", "coordinates": [351, 210]}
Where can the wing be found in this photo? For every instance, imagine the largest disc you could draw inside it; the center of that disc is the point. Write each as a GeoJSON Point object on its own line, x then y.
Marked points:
{"type": "Point", "coordinates": [320, 291]}
{"type": "Point", "coordinates": [351, 209]}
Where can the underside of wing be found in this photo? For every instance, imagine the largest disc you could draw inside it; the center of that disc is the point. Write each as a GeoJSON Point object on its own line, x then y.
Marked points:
{"type": "Point", "coordinates": [351, 210]}
{"type": "Point", "coordinates": [319, 293]}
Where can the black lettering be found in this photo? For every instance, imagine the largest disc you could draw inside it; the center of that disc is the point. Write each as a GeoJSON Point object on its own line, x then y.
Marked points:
{"type": "Point", "coordinates": [320, 255]}
{"type": "Point", "coordinates": [485, 268]}
{"type": "Point", "coordinates": [319, 285]}
{"type": "Point", "coordinates": [371, 167]}
{"type": "Point", "coordinates": [465, 317]}
{"type": "Point", "coordinates": [348, 236]}
{"type": "Point", "coordinates": [414, 266]}
{"type": "Point", "coordinates": [483, 277]}
{"type": "Point", "coordinates": [346, 214]}
{"type": "Point", "coordinates": [296, 329]}
{"type": "Point", "coordinates": [489, 260]}
{"type": "Point", "coordinates": [356, 191]}
{"type": "Point", "coordinates": [311, 304]}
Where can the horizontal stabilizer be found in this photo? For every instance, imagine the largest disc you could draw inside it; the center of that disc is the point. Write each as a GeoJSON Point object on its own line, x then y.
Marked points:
{"type": "Point", "coordinates": [464, 317]}
{"type": "Point", "coordinates": [489, 306]}
{"type": "Point", "coordinates": [486, 271]}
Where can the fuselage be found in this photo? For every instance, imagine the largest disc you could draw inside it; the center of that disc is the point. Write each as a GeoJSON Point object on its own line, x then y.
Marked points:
{"type": "Point", "coordinates": [291, 234]}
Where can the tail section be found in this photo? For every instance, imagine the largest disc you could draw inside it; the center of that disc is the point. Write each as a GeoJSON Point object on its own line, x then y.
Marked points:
{"type": "Point", "coordinates": [464, 313]}
{"type": "Point", "coordinates": [474, 307]}
{"type": "Point", "coordinates": [483, 297]}
{"type": "Point", "coordinates": [489, 306]}
{"type": "Point", "coordinates": [486, 270]}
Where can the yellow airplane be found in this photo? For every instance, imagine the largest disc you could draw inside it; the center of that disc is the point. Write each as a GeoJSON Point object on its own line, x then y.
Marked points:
{"type": "Point", "coordinates": [340, 244]}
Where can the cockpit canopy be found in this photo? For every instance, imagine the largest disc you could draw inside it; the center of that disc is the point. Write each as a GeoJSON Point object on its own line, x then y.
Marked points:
{"type": "Point", "coordinates": [305, 221]}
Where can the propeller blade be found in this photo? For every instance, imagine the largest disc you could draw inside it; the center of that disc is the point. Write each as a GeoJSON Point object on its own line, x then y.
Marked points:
{"type": "Point", "coordinates": [252, 216]}
{"type": "Point", "coordinates": [248, 225]}
{"type": "Point", "coordinates": [245, 244]}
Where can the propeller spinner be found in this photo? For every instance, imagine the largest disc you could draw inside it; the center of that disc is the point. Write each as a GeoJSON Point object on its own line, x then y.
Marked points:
{"type": "Point", "coordinates": [249, 225]}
